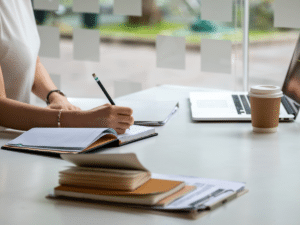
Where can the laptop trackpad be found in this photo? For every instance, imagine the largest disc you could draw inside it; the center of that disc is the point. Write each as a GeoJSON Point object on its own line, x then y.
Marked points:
{"type": "Point", "coordinates": [215, 104]}
{"type": "Point", "coordinates": [207, 105]}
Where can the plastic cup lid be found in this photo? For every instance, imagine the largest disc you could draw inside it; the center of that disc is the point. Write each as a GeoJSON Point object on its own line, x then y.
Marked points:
{"type": "Point", "coordinates": [265, 91]}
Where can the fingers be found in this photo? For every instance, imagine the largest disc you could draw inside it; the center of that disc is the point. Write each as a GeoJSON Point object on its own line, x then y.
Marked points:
{"type": "Point", "coordinates": [124, 110]}
{"type": "Point", "coordinates": [120, 130]}
{"type": "Point", "coordinates": [117, 117]}
{"type": "Point", "coordinates": [125, 119]}
{"type": "Point", "coordinates": [56, 106]}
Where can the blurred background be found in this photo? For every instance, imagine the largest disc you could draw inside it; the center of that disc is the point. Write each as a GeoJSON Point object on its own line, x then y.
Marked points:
{"type": "Point", "coordinates": [127, 47]}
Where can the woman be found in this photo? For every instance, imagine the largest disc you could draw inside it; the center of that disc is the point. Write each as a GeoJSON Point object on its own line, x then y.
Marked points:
{"type": "Point", "coordinates": [21, 72]}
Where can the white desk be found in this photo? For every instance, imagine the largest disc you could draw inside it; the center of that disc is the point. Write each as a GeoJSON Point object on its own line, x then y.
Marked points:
{"type": "Point", "coordinates": [268, 163]}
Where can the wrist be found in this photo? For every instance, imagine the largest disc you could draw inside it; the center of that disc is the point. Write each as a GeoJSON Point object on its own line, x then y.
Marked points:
{"type": "Point", "coordinates": [54, 96]}
{"type": "Point", "coordinates": [73, 118]}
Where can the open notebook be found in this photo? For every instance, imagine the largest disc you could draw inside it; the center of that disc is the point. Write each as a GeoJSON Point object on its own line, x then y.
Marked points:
{"type": "Point", "coordinates": [75, 140]}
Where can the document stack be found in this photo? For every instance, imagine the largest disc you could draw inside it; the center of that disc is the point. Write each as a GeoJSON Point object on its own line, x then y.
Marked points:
{"type": "Point", "coordinates": [121, 180]}
{"type": "Point", "coordinates": [113, 179]}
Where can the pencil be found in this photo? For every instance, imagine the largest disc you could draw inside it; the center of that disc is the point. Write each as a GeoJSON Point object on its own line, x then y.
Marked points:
{"type": "Point", "coordinates": [103, 89]}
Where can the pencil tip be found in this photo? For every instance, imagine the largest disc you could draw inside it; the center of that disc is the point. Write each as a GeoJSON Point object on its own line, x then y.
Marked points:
{"type": "Point", "coordinates": [94, 75]}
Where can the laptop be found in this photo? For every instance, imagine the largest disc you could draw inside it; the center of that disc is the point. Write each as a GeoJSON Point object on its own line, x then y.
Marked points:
{"type": "Point", "coordinates": [235, 106]}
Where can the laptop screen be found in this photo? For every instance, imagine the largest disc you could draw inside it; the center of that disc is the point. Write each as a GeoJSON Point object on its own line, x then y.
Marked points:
{"type": "Point", "coordinates": [291, 86]}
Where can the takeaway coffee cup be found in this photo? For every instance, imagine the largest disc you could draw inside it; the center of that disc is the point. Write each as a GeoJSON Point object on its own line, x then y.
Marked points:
{"type": "Point", "coordinates": [265, 105]}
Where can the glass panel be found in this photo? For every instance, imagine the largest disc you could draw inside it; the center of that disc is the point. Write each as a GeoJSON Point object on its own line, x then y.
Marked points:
{"type": "Point", "coordinates": [271, 48]}
{"type": "Point", "coordinates": [128, 44]}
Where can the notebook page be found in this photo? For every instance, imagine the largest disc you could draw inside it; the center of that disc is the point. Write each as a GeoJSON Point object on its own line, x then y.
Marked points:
{"type": "Point", "coordinates": [135, 132]}
{"type": "Point", "coordinates": [70, 138]}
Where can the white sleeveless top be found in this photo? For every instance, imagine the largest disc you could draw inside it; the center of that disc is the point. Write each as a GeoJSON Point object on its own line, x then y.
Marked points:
{"type": "Point", "coordinates": [19, 47]}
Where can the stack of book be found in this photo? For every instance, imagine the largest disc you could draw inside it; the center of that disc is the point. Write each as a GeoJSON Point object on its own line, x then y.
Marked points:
{"type": "Point", "coordinates": [104, 178]}
{"type": "Point", "coordinates": [122, 180]}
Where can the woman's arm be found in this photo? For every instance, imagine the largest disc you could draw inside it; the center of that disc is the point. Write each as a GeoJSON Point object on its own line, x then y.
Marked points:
{"type": "Point", "coordinates": [2, 87]}
{"type": "Point", "coordinates": [43, 85]}
{"type": "Point", "coordinates": [22, 116]}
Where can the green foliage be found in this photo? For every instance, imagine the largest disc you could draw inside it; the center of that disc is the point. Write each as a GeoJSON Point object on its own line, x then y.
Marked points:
{"type": "Point", "coordinates": [261, 16]}
{"type": "Point", "coordinates": [152, 29]}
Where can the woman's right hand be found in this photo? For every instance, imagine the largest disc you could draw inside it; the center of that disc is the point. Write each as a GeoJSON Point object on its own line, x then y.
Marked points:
{"type": "Point", "coordinates": [117, 117]}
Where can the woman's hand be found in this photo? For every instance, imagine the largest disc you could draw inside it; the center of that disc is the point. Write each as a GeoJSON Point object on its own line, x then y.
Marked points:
{"type": "Point", "coordinates": [58, 101]}
{"type": "Point", "coordinates": [116, 117]}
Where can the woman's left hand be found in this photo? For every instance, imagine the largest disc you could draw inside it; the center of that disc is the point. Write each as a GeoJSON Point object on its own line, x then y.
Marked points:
{"type": "Point", "coordinates": [58, 101]}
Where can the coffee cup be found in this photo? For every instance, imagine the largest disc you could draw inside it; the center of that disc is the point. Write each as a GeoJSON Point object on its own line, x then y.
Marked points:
{"type": "Point", "coordinates": [265, 107]}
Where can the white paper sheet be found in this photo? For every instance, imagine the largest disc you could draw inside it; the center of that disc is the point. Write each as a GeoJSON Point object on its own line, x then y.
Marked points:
{"type": "Point", "coordinates": [286, 13]}
{"type": "Point", "coordinates": [46, 4]}
{"type": "Point", "coordinates": [135, 132]}
{"type": "Point", "coordinates": [205, 187]}
{"type": "Point", "coordinates": [86, 45]}
{"type": "Point", "coordinates": [170, 52]}
{"type": "Point", "coordinates": [219, 10]}
{"type": "Point", "coordinates": [128, 7]}
{"type": "Point", "coordinates": [216, 56]}
{"type": "Point", "coordinates": [86, 6]}
{"type": "Point", "coordinates": [49, 41]}
{"type": "Point", "coordinates": [126, 87]}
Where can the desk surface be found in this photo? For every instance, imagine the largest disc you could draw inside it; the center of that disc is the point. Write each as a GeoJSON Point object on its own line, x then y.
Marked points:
{"type": "Point", "coordinates": [268, 163]}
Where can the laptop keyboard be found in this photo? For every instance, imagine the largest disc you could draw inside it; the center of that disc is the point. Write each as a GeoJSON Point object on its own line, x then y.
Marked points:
{"type": "Point", "coordinates": [245, 104]}
{"type": "Point", "coordinates": [241, 104]}
{"type": "Point", "coordinates": [287, 106]}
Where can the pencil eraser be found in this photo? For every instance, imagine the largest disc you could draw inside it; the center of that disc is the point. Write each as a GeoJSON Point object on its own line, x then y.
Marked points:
{"type": "Point", "coordinates": [86, 6]}
{"type": "Point", "coordinates": [170, 52]}
{"type": "Point", "coordinates": [86, 45]}
{"type": "Point", "coordinates": [123, 87]}
{"type": "Point", "coordinates": [128, 7]}
{"type": "Point", "coordinates": [216, 56]}
{"type": "Point", "coordinates": [286, 13]}
{"type": "Point", "coordinates": [49, 37]}
{"type": "Point", "coordinates": [218, 10]}
{"type": "Point", "coordinates": [46, 4]}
